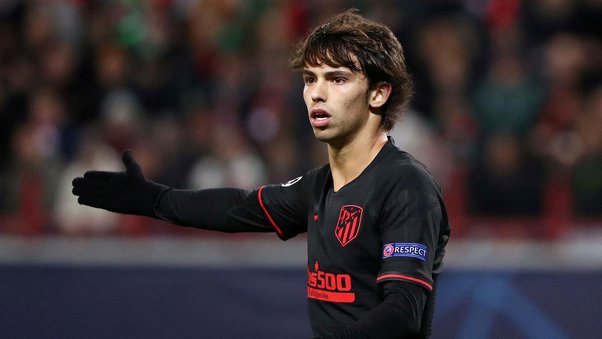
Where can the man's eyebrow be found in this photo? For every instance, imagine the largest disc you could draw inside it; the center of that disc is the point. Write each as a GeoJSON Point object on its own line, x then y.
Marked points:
{"type": "Point", "coordinates": [329, 74]}
{"type": "Point", "coordinates": [338, 73]}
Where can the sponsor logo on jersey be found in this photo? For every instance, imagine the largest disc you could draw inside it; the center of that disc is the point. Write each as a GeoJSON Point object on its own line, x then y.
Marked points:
{"type": "Point", "coordinates": [327, 286]}
{"type": "Point", "coordinates": [348, 224]}
{"type": "Point", "coordinates": [292, 182]}
{"type": "Point", "coordinates": [405, 249]}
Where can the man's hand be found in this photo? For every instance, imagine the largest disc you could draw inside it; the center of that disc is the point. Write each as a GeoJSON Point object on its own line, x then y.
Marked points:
{"type": "Point", "coordinates": [126, 192]}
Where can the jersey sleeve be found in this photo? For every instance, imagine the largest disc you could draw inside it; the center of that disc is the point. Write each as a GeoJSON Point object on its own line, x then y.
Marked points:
{"type": "Point", "coordinates": [285, 206]}
{"type": "Point", "coordinates": [410, 227]}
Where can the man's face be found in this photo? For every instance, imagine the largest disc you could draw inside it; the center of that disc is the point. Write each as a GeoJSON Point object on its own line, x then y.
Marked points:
{"type": "Point", "coordinates": [337, 102]}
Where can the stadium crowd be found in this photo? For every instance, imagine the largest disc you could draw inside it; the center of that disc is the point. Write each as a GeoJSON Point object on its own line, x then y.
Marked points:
{"type": "Point", "coordinates": [507, 110]}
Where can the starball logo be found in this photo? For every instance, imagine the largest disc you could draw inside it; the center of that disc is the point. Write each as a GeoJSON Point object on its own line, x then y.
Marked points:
{"type": "Point", "coordinates": [329, 286]}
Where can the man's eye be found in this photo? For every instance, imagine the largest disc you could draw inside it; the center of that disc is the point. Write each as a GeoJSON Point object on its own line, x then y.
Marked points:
{"type": "Point", "coordinates": [339, 80]}
{"type": "Point", "coordinates": [308, 80]}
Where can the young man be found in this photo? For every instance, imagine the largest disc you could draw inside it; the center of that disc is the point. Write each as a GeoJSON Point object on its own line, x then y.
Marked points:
{"type": "Point", "coordinates": [375, 220]}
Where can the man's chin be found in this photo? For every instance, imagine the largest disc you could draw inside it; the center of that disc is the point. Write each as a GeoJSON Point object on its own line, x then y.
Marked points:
{"type": "Point", "coordinates": [329, 138]}
{"type": "Point", "coordinates": [322, 136]}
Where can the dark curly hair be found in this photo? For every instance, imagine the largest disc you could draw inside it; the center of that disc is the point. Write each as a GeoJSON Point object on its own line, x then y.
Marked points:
{"type": "Point", "coordinates": [348, 39]}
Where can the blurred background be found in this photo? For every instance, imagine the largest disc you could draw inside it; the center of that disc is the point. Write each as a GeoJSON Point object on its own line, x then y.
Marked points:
{"type": "Point", "coordinates": [507, 113]}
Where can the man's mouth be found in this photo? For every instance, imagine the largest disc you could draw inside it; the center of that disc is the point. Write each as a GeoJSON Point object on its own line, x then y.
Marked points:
{"type": "Point", "coordinates": [319, 118]}
{"type": "Point", "coordinates": [319, 114]}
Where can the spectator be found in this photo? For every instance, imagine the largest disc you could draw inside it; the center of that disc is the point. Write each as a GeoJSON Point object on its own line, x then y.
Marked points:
{"type": "Point", "coordinates": [587, 178]}
{"type": "Point", "coordinates": [37, 160]}
{"type": "Point", "coordinates": [230, 163]}
{"type": "Point", "coordinates": [506, 179]}
{"type": "Point", "coordinates": [554, 136]}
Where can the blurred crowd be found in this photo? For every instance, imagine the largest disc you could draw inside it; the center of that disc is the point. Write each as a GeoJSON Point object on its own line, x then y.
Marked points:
{"type": "Point", "coordinates": [507, 110]}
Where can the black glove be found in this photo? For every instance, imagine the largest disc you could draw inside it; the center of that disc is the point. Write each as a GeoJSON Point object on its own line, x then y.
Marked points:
{"type": "Point", "coordinates": [126, 192]}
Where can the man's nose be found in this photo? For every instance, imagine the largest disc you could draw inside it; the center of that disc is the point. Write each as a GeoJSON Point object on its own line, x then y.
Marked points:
{"type": "Point", "coordinates": [318, 92]}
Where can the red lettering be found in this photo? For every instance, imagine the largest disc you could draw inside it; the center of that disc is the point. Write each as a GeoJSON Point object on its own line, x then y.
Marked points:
{"type": "Point", "coordinates": [331, 282]}
{"type": "Point", "coordinates": [329, 286]}
{"type": "Point", "coordinates": [311, 281]}
{"type": "Point", "coordinates": [344, 282]}
{"type": "Point", "coordinates": [336, 297]}
{"type": "Point", "coordinates": [320, 279]}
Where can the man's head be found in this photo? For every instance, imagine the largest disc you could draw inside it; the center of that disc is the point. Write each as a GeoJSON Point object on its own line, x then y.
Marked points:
{"type": "Point", "coordinates": [366, 47]}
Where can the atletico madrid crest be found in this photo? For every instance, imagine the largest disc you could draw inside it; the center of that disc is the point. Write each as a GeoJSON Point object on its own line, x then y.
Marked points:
{"type": "Point", "coordinates": [348, 225]}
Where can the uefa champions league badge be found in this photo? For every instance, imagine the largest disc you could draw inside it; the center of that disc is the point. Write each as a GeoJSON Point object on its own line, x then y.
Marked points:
{"type": "Point", "coordinates": [402, 249]}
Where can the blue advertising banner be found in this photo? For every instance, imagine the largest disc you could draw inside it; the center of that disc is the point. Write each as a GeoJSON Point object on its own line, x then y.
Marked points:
{"type": "Point", "coordinates": [68, 301]}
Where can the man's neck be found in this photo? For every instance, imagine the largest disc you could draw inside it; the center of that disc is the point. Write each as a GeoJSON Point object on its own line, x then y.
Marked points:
{"type": "Point", "coordinates": [349, 161]}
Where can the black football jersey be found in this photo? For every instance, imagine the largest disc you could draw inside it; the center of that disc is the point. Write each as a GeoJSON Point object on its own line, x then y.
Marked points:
{"type": "Point", "coordinates": [387, 224]}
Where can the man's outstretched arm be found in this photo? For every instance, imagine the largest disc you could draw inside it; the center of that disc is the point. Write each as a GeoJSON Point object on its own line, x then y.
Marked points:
{"type": "Point", "coordinates": [130, 192]}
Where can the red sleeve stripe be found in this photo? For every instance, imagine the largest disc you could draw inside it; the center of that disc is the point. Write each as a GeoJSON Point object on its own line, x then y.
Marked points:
{"type": "Point", "coordinates": [405, 277]}
{"type": "Point", "coordinates": [278, 230]}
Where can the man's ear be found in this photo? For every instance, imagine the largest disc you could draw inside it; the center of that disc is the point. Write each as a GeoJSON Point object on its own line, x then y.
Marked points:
{"type": "Point", "coordinates": [380, 94]}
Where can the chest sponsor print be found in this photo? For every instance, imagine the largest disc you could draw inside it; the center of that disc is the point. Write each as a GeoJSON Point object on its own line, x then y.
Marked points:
{"type": "Point", "coordinates": [328, 286]}
{"type": "Point", "coordinates": [348, 224]}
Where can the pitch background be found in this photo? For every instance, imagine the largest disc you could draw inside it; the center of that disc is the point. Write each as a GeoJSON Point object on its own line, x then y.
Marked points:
{"type": "Point", "coordinates": [254, 287]}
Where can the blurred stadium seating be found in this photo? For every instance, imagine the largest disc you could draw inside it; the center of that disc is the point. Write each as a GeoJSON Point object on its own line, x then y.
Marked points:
{"type": "Point", "coordinates": [506, 111]}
